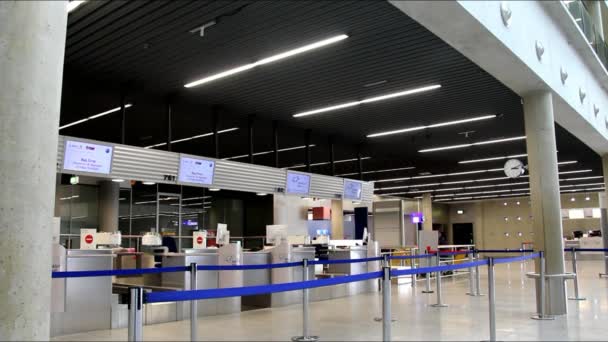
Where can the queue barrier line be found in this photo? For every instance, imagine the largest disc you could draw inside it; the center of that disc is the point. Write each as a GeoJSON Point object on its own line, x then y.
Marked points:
{"type": "Point", "coordinates": [108, 273]}
{"type": "Point", "coordinates": [514, 259]}
{"type": "Point", "coordinates": [456, 253]}
{"type": "Point", "coordinates": [246, 267]}
{"type": "Point", "coordinates": [504, 250]}
{"type": "Point", "coordinates": [343, 261]}
{"type": "Point", "coordinates": [189, 295]}
{"type": "Point", "coordinates": [586, 249]}
{"type": "Point", "coordinates": [408, 257]}
{"type": "Point", "coordinates": [435, 269]}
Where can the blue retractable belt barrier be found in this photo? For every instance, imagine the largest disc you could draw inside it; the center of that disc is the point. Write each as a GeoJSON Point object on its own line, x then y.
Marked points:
{"type": "Point", "coordinates": [343, 261]}
{"type": "Point", "coordinates": [406, 257]}
{"type": "Point", "coordinates": [177, 296]}
{"type": "Point", "coordinates": [438, 268]}
{"type": "Point", "coordinates": [587, 249]}
{"type": "Point", "coordinates": [455, 253]}
{"type": "Point", "coordinates": [107, 273]}
{"type": "Point", "coordinates": [514, 259]}
{"type": "Point", "coordinates": [246, 267]}
{"type": "Point", "coordinates": [505, 251]}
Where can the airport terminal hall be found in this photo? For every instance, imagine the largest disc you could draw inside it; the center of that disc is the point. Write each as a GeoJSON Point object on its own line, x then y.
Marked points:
{"type": "Point", "coordinates": [303, 170]}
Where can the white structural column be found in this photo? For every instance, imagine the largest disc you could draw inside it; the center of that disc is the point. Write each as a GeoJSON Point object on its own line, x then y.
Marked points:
{"type": "Point", "coordinates": [544, 190]}
{"type": "Point", "coordinates": [109, 193]}
{"type": "Point", "coordinates": [595, 11]}
{"type": "Point", "coordinates": [603, 199]}
{"type": "Point", "coordinates": [32, 44]}
{"type": "Point", "coordinates": [427, 212]}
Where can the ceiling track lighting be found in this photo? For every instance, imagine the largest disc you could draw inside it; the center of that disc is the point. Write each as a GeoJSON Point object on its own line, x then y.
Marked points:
{"type": "Point", "coordinates": [487, 142]}
{"type": "Point", "coordinates": [267, 60]}
{"type": "Point", "coordinates": [268, 152]}
{"type": "Point", "coordinates": [368, 100]}
{"type": "Point", "coordinates": [194, 137]}
{"type": "Point", "coordinates": [418, 128]}
{"type": "Point", "coordinates": [113, 110]}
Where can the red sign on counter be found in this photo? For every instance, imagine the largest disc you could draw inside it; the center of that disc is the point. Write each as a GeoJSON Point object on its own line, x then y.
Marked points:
{"type": "Point", "coordinates": [199, 240]}
{"type": "Point", "coordinates": [88, 238]}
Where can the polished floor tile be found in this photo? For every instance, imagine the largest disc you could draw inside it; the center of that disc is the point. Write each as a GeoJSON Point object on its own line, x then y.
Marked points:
{"type": "Point", "coordinates": [466, 317]}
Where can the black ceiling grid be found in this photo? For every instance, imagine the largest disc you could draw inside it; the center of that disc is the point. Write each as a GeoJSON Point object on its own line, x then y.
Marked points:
{"type": "Point", "coordinates": [149, 46]}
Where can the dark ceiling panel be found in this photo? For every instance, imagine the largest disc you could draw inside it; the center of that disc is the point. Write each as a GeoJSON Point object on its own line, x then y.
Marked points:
{"type": "Point", "coordinates": [147, 47]}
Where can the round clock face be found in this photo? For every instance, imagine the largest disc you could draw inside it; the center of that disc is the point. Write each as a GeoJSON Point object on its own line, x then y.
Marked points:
{"type": "Point", "coordinates": [514, 168]}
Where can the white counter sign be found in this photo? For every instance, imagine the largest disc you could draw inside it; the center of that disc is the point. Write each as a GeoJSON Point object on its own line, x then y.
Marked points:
{"type": "Point", "coordinates": [87, 157]}
{"type": "Point", "coordinates": [298, 183]}
{"type": "Point", "coordinates": [196, 171]}
{"type": "Point", "coordinates": [352, 190]}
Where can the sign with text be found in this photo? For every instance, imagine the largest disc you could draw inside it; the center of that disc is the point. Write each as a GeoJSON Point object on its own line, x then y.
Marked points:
{"type": "Point", "coordinates": [87, 157]}
{"type": "Point", "coordinates": [298, 183]}
{"type": "Point", "coordinates": [352, 190]}
{"type": "Point", "coordinates": [196, 171]}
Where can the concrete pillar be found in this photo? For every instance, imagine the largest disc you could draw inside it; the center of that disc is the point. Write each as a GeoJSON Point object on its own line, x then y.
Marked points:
{"type": "Point", "coordinates": [595, 11]}
{"type": "Point", "coordinates": [544, 190]}
{"type": "Point", "coordinates": [32, 44]}
{"type": "Point", "coordinates": [427, 212]}
{"type": "Point", "coordinates": [604, 209]}
{"type": "Point", "coordinates": [108, 204]}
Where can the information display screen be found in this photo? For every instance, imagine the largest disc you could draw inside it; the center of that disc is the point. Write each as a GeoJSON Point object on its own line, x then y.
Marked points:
{"type": "Point", "coordinates": [352, 190]}
{"type": "Point", "coordinates": [298, 183]}
{"type": "Point", "coordinates": [196, 171]}
{"type": "Point", "coordinates": [87, 157]}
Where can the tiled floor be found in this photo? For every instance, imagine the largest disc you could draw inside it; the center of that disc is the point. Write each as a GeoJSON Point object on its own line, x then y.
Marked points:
{"type": "Point", "coordinates": [466, 318]}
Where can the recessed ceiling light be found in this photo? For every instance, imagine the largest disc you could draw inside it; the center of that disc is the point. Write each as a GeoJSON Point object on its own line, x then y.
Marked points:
{"type": "Point", "coordinates": [261, 194]}
{"type": "Point", "coordinates": [418, 128]}
{"type": "Point", "coordinates": [587, 198]}
{"type": "Point", "coordinates": [194, 137]}
{"type": "Point", "coordinates": [487, 142]}
{"type": "Point", "coordinates": [148, 183]}
{"type": "Point", "coordinates": [267, 60]}
{"type": "Point", "coordinates": [118, 180]}
{"type": "Point", "coordinates": [128, 105]}
{"type": "Point", "coordinates": [214, 189]}
{"type": "Point", "coordinates": [572, 199]}
{"type": "Point", "coordinates": [268, 152]}
{"type": "Point", "coordinates": [368, 100]}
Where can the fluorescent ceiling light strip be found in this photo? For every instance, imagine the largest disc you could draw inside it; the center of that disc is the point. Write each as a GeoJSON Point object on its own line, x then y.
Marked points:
{"type": "Point", "coordinates": [72, 5]}
{"type": "Point", "coordinates": [368, 100]}
{"type": "Point", "coordinates": [487, 142]}
{"type": "Point", "coordinates": [271, 151]}
{"type": "Point", "coordinates": [376, 171]}
{"type": "Point", "coordinates": [410, 186]}
{"type": "Point", "coordinates": [574, 171]}
{"type": "Point", "coordinates": [580, 178]}
{"type": "Point", "coordinates": [194, 137]}
{"type": "Point", "coordinates": [128, 105]}
{"type": "Point", "coordinates": [492, 158]}
{"type": "Point", "coordinates": [567, 162]}
{"type": "Point", "coordinates": [448, 123]}
{"type": "Point", "coordinates": [267, 60]}
{"type": "Point", "coordinates": [326, 163]}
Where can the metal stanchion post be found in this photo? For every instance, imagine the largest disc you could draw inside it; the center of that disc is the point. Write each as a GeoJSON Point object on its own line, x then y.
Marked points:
{"type": "Point", "coordinates": [413, 265]}
{"type": "Point", "coordinates": [386, 304]}
{"type": "Point", "coordinates": [492, 299]}
{"type": "Point", "coordinates": [305, 309]}
{"type": "Point", "coordinates": [136, 324]}
{"type": "Point", "coordinates": [574, 270]}
{"type": "Point", "coordinates": [471, 276]}
{"type": "Point", "coordinates": [439, 303]}
{"type": "Point", "coordinates": [193, 305]}
{"type": "Point", "coordinates": [477, 276]}
{"type": "Point", "coordinates": [385, 263]}
{"type": "Point", "coordinates": [541, 312]}
{"type": "Point", "coordinates": [428, 275]}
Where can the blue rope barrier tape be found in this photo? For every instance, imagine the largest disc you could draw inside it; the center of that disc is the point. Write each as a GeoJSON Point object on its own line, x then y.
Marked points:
{"type": "Point", "coordinates": [108, 273]}
{"type": "Point", "coordinates": [406, 257]}
{"type": "Point", "coordinates": [246, 267]}
{"type": "Point", "coordinates": [455, 253]}
{"type": "Point", "coordinates": [178, 296]}
{"type": "Point", "coordinates": [343, 261]}
{"type": "Point", "coordinates": [505, 251]}
{"type": "Point", "coordinates": [514, 259]}
{"type": "Point", "coordinates": [433, 269]}
{"type": "Point", "coordinates": [587, 249]}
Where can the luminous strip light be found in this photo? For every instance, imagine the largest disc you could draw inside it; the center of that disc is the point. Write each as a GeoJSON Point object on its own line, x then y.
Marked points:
{"type": "Point", "coordinates": [194, 137]}
{"type": "Point", "coordinates": [377, 171]}
{"type": "Point", "coordinates": [580, 178]}
{"type": "Point", "coordinates": [487, 142]}
{"type": "Point", "coordinates": [128, 105]}
{"type": "Point", "coordinates": [470, 173]}
{"type": "Point", "coordinates": [368, 100]}
{"type": "Point", "coordinates": [73, 4]}
{"type": "Point", "coordinates": [271, 151]}
{"type": "Point", "coordinates": [492, 158]}
{"type": "Point", "coordinates": [325, 163]}
{"type": "Point", "coordinates": [267, 60]}
{"type": "Point", "coordinates": [575, 171]}
{"type": "Point", "coordinates": [418, 128]}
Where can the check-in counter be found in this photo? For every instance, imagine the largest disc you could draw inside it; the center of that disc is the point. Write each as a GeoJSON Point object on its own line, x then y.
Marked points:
{"type": "Point", "coordinates": [256, 277]}
{"type": "Point", "coordinates": [87, 302]}
{"type": "Point", "coordinates": [290, 274]}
